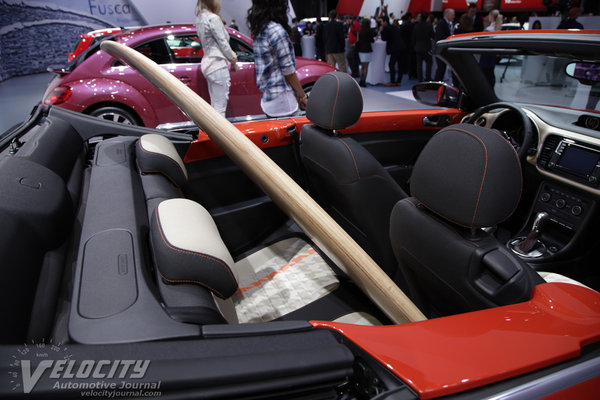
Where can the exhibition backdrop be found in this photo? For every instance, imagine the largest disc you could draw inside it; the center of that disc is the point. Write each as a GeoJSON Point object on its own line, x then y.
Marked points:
{"type": "Point", "coordinates": [37, 34]}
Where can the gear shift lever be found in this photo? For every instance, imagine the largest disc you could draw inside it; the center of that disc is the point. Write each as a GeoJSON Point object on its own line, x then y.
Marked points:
{"type": "Point", "coordinates": [531, 240]}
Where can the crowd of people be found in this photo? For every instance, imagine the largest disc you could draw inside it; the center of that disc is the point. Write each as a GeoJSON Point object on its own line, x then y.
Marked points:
{"type": "Point", "coordinates": [408, 40]}
{"type": "Point", "coordinates": [276, 45]}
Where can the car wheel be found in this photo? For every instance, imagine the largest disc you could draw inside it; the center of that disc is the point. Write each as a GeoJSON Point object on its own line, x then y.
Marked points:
{"type": "Point", "coordinates": [115, 114]}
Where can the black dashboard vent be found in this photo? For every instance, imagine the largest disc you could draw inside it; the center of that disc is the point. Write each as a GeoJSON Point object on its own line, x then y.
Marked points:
{"type": "Point", "coordinates": [549, 146]}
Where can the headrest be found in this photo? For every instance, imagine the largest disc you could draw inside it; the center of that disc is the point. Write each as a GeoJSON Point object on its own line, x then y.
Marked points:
{"type": "Point", "coordinates": [187, 247]}
{"type": "Point", "coordinates": [156, 154]}
{"type": "Point", "coordinates": [469, 175]}
{"type": "Point", "coordinates": [335, 101]}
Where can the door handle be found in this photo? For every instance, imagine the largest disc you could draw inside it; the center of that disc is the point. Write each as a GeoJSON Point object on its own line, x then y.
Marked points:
{"type": "Point", "coordinates": [185, 79]}
{"type": "Point", "coordinates": [436, 120]}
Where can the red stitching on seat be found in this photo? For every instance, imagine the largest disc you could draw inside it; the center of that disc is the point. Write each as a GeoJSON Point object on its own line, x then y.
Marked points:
{"type": "Point", "coordinates": [337, 93]}
{"type": "Point", "coordinates": [441, 219]}
{"type": "Point", "coordinates": [222, 263]}
{"type": "Point", "coordinates": [484, 172]}
{"type": "Point", "coordinates": [164, 156]}
{"type": "Point", "coordinates": [191, 281]}
{"type": "Point", "coordinates": [516, 155]}
{"type": "Point", "coordinates": [352, 154]}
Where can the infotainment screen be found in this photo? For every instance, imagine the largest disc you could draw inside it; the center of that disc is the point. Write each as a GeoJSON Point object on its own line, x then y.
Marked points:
{"type": "Point", "coordinates": [578, 160]}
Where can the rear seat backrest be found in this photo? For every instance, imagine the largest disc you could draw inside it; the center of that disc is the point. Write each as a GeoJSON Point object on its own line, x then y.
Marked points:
{"type": "Point", "coordinates": [163, 172]}
{"type": "Point", "coordinates": [188, 249]}
{"type": "Point", "coordinates": [156, 154]}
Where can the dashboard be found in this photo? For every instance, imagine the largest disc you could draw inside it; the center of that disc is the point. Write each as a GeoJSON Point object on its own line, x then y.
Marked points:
{"type": "Point", "coordinates": [566, 156]}
{"type": "Point", "coordinates": [567, 146]}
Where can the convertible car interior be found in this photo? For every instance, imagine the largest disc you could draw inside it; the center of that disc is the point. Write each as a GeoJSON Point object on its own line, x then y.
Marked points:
{"type": "Point", "coordinates": [146, 244]}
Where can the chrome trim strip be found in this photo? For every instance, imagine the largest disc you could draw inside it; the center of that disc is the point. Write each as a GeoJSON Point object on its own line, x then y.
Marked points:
{"type": "Point", "coordinates": [552, 383]}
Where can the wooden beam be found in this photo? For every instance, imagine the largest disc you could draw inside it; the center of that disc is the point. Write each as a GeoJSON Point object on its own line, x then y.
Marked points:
{"type": "Point", "coordinates": [290, 197]}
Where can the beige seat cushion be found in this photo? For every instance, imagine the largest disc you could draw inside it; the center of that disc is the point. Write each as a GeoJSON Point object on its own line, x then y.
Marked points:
{"type": "Point", "coordinates": [279, 279]}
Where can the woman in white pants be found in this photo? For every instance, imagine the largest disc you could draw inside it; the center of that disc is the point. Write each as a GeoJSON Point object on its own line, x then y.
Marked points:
{"type": "Point", "coordinates": [217, 52]}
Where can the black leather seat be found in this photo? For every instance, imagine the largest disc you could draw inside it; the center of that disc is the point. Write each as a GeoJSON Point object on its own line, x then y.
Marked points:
{"type": "Point", "coordinates": [467, 177]}
{"type": "Point", "coordinates": [352, 186]}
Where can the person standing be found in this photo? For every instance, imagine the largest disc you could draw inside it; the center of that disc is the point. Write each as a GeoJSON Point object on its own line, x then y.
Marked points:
{"type": "Point", "coordinates": [408, 54]}
{"type": "Point", "coordinates": [381, 11]}
{"type": "Point", "coordinates": [234, 25]}
{"type": "Point", "coordinates": [296, 37]}
{"type": "Point", "coordinates": [351, 51]}
{"type": "Point", "coordinates": [487, 62]}
{"type": "Point", "coordinates": [571, 22]}
{"type": "Point", "coordinates": [308, 29]}
{"type": "Point", "coordinates": [476, 20]}
{"type": "Point", "coordinates": [395, 47]}
{"type": "Point", "coordinates": [443, 29]}
{"type": "Point", "coordinates": [365, 50]}
{"type": "Point", "coordinates": [465, 24]}
{"type": "Point", "coordinates": [274, 61]}
{"type": "Point", "coordinates": [217, 53]}
{"type": "Point", "coordinates": [493, 21]}
{"type": "Point", "coordinates": [421, 41]}
{"type": "Point", "coordinates": [320, 40]}
{"type": "Point", "coordinates": [335, 42]}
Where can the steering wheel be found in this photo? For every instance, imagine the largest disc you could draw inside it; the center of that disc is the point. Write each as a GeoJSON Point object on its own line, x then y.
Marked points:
{"type": "Point", "coordinates": [521, 148]}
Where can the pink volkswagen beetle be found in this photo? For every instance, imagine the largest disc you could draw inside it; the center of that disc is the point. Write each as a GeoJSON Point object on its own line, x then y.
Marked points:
{"type": "Point", "coordinates": [96, 84]}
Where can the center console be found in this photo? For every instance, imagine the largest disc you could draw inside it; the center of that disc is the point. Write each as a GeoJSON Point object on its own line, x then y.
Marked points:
{"type": "Point", "coordinates": [576, 161]}
{"type": "Point", "coordinates": [557, 218]}
{"type": "Point", "coordinates": [562, 209]}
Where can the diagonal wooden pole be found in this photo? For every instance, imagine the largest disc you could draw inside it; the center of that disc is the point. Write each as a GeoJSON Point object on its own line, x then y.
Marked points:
{"type": "Point", "coordinates": [290, 197]}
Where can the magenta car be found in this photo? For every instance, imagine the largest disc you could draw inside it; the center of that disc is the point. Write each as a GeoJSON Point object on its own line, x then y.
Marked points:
{"type": "Point", "coordinates": [96, 84]}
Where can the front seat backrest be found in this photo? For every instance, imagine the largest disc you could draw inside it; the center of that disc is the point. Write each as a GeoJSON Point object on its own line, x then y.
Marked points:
{"type": "Point", "coordinates": [467, 177]}
{"type": "Point", "coordinates": [350, 184]}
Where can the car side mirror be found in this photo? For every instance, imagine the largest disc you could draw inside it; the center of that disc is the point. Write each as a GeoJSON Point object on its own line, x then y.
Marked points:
{"type": "Point", "coordinates": [585, 72]}
{"type": "Point", "coordinates": [196, 45]}
{"type": "Point", "coordinates": [436, 94]}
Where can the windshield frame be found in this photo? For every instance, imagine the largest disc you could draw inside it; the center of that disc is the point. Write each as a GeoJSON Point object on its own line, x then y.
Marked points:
{"type": "Point", "coordinates": [459, 52]}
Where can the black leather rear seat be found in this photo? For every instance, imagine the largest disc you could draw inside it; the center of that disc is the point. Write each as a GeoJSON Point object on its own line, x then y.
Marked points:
{"type": "Point", "coordinates": [163, 173]}
{"type": "Point", "coordinates": [192, 261]}
{"type": "Point", "coordinates": [40, 191]}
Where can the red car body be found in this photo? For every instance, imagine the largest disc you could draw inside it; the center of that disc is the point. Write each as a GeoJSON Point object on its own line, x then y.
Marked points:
{"type": "Point", "coordinates": [451, 355]}
{"type": "Point", "coordinates": [87, 39]}
{"type": "Point", "coordinates": [97, 84]}
{"type": "Point", "coordinates": [547, 347]}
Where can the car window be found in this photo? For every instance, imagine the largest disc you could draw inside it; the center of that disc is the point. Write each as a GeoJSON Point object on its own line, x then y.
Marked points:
{"type": "Point", "coordinates": [185, 48]}
{"type": "Point", "coordinates": [540, 79]}
{"type": "Point", "coordinates": [156, 50]}
{"type": "Point", "coordinates": [242, 50]}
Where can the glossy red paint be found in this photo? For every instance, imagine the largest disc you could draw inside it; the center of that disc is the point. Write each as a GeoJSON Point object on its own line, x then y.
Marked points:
{"type": "Point", "coordinates": [452, 354]}
{"type": "Point", "coordinates": [276, 130]}
{"type": "Point", "coordinates": [98, 81]}
{"type": "Point", "coordinates": [264, 134]}
{"type": "Point", "coordinates": [86, 39]}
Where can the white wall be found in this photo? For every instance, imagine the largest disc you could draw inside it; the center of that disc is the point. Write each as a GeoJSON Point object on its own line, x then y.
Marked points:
{"type": "Point", "coordinates": [398, 7]}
